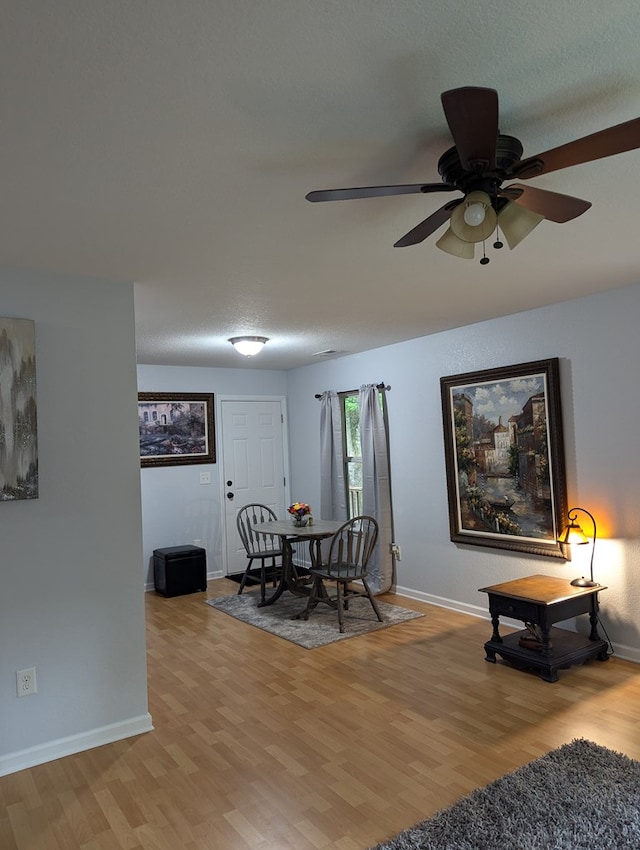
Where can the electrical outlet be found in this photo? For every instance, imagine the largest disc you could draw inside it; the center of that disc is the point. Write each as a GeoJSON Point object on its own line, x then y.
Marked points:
{"type": "Point", "coordinates": [396, 551]}
{"type": "Point", "coordinates": [205, 478]}
{"type": "Point", "coordinates": [26, 682]}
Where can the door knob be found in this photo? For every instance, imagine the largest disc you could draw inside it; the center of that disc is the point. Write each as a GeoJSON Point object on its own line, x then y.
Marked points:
{"type": "Point", "coordinates": [229, 495]}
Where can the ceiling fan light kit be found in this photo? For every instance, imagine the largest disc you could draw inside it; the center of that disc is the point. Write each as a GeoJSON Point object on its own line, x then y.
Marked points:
{"type": "Point", "coordinates": [480, 161]}
{"type": "Point", "coordinates": [516, 222]}
{"type": "Point", "coordinates": [450, 243]}
{"type": "Point", "coordinates": [475, 219]}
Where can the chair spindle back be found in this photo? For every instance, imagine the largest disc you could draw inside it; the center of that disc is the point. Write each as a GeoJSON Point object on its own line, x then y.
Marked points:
{"type": "Point", "coordinates": [257, 544]}
{"type": "Point", "coordinates": [351, 547]}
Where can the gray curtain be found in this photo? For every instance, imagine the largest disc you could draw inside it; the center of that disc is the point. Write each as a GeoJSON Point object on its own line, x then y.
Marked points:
{"type": "Point", "coordinates": [376, 486]}
{"type": "Point", "coordinates": [333, 493]}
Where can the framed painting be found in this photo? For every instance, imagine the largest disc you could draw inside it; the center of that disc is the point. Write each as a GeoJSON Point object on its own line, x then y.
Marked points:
{"type": "Point", "coordinates": [176, 428]}
{"type": "Point", "coordinates": [504, 457]}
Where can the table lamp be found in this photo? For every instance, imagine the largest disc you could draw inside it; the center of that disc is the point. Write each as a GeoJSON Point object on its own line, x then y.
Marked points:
{"type": "Point", "coordinates": [573, 533]}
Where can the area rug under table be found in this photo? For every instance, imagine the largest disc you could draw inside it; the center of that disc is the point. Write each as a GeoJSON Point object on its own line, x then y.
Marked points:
{"type": "Point", "coordinates": [322, 626]}
{"type": "Point", "coordinates": [579, 797]}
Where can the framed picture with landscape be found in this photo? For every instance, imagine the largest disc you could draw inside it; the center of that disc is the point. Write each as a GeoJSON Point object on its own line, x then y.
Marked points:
{"type": "Point", "coordinates": [176, 428]}
{"type": "Point", "coordinates": [504, 457]}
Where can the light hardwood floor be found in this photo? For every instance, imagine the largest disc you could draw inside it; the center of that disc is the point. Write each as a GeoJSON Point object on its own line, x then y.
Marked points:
{"type": "Point", "coordinates": [261, 744]}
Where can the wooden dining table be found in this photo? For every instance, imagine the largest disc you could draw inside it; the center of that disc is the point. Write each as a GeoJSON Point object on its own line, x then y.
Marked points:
{"type": "Point", "coordinates": [290, 534]}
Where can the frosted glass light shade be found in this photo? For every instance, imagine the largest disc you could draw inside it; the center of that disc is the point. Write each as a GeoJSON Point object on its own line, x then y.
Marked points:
{"type": "Point", "coordinates": [450, 243]}
{"type": "Point", "coordinates": [475, 204]}
{"type": "Point", "coordinates": [516, 222]}
{"type": "Point", "coordinates": [248, 345]}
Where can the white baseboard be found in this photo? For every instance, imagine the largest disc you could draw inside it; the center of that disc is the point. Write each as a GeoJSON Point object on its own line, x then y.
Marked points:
{"type": "Point", "coordinates": [628, 653]}
{"type": "Point", "coordinates": [443, 602]}
{"type": "Point", "coordinates": [22, 759]}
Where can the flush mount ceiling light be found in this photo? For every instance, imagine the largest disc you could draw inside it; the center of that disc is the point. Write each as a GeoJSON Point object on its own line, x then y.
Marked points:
{"type": "Point", "coordinates": [248, 345]}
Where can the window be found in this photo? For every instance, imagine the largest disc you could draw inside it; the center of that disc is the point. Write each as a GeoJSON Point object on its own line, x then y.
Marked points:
{"type": "Point", "coordinates": [352, 449]}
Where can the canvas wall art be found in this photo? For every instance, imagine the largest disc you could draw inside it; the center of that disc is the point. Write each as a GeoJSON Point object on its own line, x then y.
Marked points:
{"type": "Point", "coordinates": [504, 455]}
{"type": "Point", "coordinates": [18, 410]}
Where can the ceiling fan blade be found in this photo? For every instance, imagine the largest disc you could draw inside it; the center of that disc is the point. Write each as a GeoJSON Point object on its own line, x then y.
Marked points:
{"type": "Point", "coordinates": [420, 232]}
{"type": "Point", "coordinates": [511, 192]}
{"type": "Point", "coordinates": [614, 140]}
{"type": "Point", "coordinates": [472, 116]}
{"type": "Point", "coordinates": [551, 205]}
{"type": "Point", "coordinates": [377, 191]}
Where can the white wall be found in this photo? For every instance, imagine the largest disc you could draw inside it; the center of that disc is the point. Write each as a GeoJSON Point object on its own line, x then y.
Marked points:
{"type": "Point", "coordinates": [598, 343]}
{"type": "Point", "coordinates": [176, 508]}
{"type": "Point", "coordinates": [71, 602]}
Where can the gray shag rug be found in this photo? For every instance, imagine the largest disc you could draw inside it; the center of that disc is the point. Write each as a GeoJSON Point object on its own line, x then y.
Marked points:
{"type": "Point", "coordinates": [579, 797]}
{"type": "Point", "coordinates": [322, 626]}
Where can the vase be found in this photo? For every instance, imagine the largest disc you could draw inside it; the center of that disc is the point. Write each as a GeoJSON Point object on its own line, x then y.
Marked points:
{"type": "Point", "coordinates": [300, 521]}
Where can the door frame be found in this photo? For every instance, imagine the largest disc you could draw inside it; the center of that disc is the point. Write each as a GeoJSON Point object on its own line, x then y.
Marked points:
{"type": "Point", "coordinates": [221, 476]}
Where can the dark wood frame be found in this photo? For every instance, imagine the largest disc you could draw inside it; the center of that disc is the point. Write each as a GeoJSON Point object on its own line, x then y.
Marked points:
{"type": "Point", "coordinates": [472, 514]}
{"type": "Point", "coordinates": [175, 456]}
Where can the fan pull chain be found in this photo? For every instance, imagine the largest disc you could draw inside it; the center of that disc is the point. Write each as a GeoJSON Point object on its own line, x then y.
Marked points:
{"type": "Point", "coordinates": [485, 259]}
{"type": "Point", "coordinates": [498, 243]}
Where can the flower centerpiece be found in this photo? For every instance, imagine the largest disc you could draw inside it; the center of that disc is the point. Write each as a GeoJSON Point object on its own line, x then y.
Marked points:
{"type": "Point", "coordinates": [300, 513]}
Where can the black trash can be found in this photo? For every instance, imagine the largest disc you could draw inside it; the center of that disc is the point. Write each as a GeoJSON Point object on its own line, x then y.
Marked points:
{"type": "Point", "coordinates": [178, 570]}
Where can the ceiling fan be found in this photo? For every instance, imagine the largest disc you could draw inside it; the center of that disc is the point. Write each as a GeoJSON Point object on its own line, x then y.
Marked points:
{"type": "Point", "coordinates": [481, 160]}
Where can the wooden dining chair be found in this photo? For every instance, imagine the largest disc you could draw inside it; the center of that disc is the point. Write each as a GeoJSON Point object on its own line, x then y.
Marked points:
{"type": "Point", "coordinates": [346, 565]}
{"type": "Point", "coordinates": [265, 548]}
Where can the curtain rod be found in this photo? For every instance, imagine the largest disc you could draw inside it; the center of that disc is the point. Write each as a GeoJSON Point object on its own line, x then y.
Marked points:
{"type": "Point", "coordinates": [381, 386]}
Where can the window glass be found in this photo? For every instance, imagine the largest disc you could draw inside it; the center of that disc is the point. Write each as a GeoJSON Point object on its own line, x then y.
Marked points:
{"type": "Point", "coordinates": [352, 450]}
{"type": "Point", "coordinates": [351, 413]}
{"type": "Point", "coordinates": [352, 455]}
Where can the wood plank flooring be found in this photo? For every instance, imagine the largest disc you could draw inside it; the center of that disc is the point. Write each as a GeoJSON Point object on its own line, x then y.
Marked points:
{"type": "Point", "coordinates": [261, 744]}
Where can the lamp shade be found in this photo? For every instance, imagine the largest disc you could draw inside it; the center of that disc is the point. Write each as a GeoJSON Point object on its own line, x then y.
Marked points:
{"type": "Point", "coordinates": [248, 345]}
{"type": "Point", "coordinates": [516, 222]}
{"type": "Point", "coordinates": [450, 243]}
{"type": "Point", "coordinates": [573, 533]}
{"type": "Point", "coordinates": [474, 219]}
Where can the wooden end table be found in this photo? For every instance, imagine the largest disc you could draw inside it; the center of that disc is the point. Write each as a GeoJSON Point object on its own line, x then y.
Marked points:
{"type": "Point", "coordinates": [541, 601]}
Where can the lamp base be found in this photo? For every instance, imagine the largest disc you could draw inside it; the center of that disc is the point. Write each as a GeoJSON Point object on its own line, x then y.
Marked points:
{"type": "Point", "coordinates": [584, 582]}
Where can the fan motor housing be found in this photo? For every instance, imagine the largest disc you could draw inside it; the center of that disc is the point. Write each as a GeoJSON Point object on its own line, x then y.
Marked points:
{"type": "Point", "coordinates": [508, 152]}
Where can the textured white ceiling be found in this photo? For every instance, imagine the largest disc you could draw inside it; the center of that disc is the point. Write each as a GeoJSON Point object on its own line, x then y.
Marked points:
{"type": "Point", "coordinates": [172, 143]}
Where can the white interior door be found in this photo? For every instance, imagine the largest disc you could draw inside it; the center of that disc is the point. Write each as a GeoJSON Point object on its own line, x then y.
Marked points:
{"type": "Point", "coordinates": [253, 463]}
